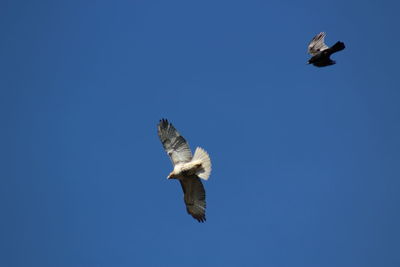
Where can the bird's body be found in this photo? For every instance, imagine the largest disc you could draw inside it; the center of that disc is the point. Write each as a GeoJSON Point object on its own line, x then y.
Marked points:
{"type": "Point", "coordinates": [321, 60]}
{"type": "Point", "coordinates": [188, 169]}
{"type": "Point", "coordinates": [182, 170]}
{"type": "Point", "coordinates": [321, 52]}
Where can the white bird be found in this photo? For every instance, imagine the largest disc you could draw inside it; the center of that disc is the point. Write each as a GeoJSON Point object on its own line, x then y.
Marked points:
{"type": "Point", "coordinates": [188, 169]}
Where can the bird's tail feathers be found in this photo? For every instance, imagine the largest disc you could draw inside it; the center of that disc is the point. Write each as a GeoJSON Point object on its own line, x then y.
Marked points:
{"type": "Point", "coordinates": [202, 156]}
{"type": "Point", "coordinates": [337, 47]}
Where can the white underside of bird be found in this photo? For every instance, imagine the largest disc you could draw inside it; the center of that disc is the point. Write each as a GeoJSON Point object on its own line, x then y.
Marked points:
{"type": "Point", "coordinates": [200, 165]}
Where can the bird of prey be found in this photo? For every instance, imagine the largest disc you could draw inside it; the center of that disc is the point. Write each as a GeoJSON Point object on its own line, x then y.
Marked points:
{"type": "Point", "coordinates": [320, 52]}
{"type": "Point", "coordinates": [188, 169]}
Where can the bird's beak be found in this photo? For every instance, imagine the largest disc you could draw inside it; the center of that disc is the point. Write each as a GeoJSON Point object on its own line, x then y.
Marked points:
{"type": "Point", "coordinates": [169, 176]}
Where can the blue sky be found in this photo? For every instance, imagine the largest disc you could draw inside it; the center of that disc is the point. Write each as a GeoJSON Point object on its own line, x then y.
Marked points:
{"type": "Point", "coordinates": [305, 160]}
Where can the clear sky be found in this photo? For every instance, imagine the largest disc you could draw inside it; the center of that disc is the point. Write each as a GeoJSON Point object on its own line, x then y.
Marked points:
{"type": "Point", "coordinates": [306, 160]}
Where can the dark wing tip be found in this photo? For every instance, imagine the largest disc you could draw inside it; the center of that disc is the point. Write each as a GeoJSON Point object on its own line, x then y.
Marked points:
{"type": "Point", "coordinates": [338, 46]}
{"type": "Point", "coordinates": [163, 125]}
{"type": "Point", "coordinates": [200, 218]}
{"type": "Point", "coordinates": [164, 122]}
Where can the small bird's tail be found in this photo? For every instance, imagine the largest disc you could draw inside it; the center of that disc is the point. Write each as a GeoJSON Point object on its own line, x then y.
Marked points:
{"type": "Point", "coordinates": [337, 47]}
{"type": "Point", "coordinates": [205, 170]}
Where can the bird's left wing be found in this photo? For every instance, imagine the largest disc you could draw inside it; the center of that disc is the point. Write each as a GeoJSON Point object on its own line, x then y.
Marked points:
{"type": "Point", "coordinates": [174, 143]}
{"type": "Point", "coordinates": [317, 44]}
{"type": "Point", "coordinates": [194, 197]}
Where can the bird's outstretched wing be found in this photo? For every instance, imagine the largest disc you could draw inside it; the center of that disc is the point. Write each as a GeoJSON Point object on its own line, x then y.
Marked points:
{"type": "Point", "coordinates": [194, 197]}
{"type": "Point", "coordinates": [174, 144]}
{"type": "Point", "coordinates": [317, 44]}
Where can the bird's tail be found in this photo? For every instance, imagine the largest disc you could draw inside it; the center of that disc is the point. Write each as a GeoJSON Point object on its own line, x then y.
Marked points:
{"type": "Point", "coordinates": [337, 47]}
{"type": "Point", "coordinates": [205, 170]}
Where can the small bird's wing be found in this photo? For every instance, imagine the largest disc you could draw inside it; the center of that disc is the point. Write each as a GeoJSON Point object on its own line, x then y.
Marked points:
{"type": "Point", "coordinates": [174, 144]}
{"type": "Point", "coordinates": [338, 46]}
{"type": "Point", "coordinates": [317, 44]}
{"type": "Point", "coordinates": [194, 197]}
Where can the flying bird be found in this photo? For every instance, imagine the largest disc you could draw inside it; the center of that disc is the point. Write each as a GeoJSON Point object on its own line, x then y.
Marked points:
{"type": "Point", "coordinates": [188, 169]}
{"type": "Point", "coordinates": [321, 53]}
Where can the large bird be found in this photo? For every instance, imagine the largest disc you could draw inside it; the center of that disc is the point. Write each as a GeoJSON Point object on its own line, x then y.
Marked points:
{"type": "Point", "coordinates": [321, 52]}
{"type": "Point", "coordinates": [188, 169]}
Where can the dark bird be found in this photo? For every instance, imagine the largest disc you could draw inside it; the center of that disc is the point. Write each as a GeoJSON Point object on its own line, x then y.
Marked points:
{"type": "Point", "coordinates": [321, 52]}
{"type": "Point", "coordinates": [188, 169]}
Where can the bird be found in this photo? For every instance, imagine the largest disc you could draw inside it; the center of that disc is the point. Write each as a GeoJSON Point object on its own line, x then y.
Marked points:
{"type": "Point", "coordinates": [321, 53]}
{"type": "Point", "coordinates": [187, 169]}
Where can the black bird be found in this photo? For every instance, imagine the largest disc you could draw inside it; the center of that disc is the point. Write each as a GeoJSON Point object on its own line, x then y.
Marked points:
{"type": "Point", "coordinates": [321, 52]}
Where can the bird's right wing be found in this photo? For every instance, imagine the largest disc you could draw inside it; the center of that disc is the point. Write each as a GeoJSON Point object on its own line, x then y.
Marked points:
{"type": "Point", "coordinates": [317, 44]}
{"type": "Point", "coordinates": [194, 197]}
{"type": "Point", "coordinates": [174, 144]}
